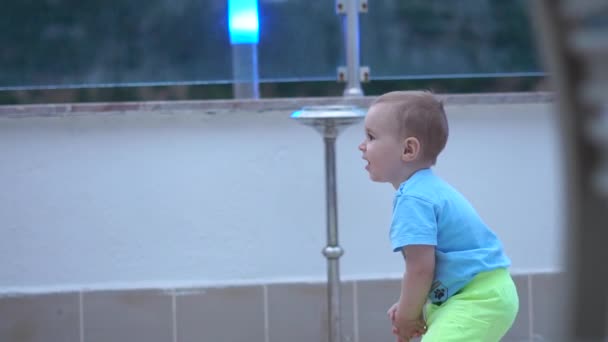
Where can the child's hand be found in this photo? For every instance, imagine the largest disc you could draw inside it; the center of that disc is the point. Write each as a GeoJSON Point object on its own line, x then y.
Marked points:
{"type": "Point", "coordinates": [392, 311]}
{"type": "Point", "coordinates": [406, 329]}
{"type": "Point", "coordinates": [409, 329]}
{"type": "Point", "coordinates": [401, 339]}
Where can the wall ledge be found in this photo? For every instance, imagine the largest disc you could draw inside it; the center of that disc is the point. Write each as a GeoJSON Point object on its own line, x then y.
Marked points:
{"type": "Point", "coordinates": [214, 107]}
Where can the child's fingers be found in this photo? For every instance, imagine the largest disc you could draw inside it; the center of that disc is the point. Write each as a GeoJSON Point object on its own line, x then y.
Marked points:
{"type": "Point", "coordinates": [422, 326]}
{"type": "Point", "coordinates": [391, 314]}
{"type": "Point", "coordinates": [391, 311]}
{"type": "Point", "coordinates": [399, 338]}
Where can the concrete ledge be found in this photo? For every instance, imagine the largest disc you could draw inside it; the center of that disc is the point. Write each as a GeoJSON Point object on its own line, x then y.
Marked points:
{"type": "Point", "coordinates": [211, 107]}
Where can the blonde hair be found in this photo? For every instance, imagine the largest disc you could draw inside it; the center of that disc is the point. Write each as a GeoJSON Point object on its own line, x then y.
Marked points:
{"type": "Point", "coordinates": [419, 114]}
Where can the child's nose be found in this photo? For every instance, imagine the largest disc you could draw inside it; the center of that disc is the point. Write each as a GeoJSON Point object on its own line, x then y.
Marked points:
{"type": "Point", "coordinates": [362, 146]}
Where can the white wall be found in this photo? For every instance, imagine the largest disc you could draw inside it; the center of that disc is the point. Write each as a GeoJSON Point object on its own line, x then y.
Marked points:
{"type": "Point", "coordinates": [147, 199]}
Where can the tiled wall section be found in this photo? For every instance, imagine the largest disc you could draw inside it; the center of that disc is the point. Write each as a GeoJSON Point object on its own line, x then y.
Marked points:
{"type": "Point", "coordinates": [261, 313]}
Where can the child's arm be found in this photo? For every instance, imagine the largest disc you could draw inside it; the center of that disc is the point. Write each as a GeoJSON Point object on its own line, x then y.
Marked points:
{"type": "Point", "coordinates": [417, 281]}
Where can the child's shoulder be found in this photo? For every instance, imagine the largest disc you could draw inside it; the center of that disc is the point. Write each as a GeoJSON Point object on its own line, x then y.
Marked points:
{"type": "Point", "coordinates": [434, 191]}
{"type": "Point", "coordinates": [426, 185]}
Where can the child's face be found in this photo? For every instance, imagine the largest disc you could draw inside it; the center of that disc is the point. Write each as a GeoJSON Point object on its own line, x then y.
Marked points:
{"type": "Point", "coordinates": [382, 148]}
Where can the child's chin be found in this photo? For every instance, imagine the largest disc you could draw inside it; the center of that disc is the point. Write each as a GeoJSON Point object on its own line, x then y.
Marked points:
{"type": "Point", "coordinates": [375, 178]}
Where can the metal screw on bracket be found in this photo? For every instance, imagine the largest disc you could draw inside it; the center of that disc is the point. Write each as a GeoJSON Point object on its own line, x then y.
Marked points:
{"type": "Point", "coordinates": [364, 74]}
{"type": "Point", "coordinates": [340, 7]}
{"type": "Point", "coordinates": [363, 6]}
{"type": "Point", "coordinates": [342, 77]}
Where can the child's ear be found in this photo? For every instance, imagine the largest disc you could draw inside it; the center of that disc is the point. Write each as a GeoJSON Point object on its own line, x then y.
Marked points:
{"type": "Point", "coordinates": [411, 149]}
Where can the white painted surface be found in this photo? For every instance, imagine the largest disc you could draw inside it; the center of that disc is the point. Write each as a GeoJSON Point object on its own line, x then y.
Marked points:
{"type": "Point", "coordinates": [114, 200]}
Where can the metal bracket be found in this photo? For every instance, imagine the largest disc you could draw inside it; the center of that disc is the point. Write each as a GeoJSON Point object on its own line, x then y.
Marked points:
{"type": "Point", "coordinates": [341, 6]}
{"type": "Point", "coordinates": [364, 74]}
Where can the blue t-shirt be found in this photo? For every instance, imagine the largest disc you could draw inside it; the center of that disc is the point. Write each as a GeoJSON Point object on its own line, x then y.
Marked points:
{"type": "Point", "coordinates": [428, 211]}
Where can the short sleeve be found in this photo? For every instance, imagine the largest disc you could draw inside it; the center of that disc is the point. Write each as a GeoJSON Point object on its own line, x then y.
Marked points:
{"type": "Point", "coordinates": [414, 223]}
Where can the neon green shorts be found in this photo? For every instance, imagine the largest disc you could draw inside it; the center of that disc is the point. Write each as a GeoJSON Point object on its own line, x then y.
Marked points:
{"type": "Point", "coordinates": [483, 311]}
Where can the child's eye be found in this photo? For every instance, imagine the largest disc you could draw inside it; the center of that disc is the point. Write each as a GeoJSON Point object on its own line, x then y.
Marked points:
{"type": "Point", "coordinates": [370, 137]}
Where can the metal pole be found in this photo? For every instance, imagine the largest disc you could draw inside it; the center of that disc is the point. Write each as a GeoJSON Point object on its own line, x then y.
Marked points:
{"type": "Point", "coordinates": [245, 71]}
{"type": "Point", "coordinates": [332, 251]}
{"type": "Point", "coordinates": [329, 120]}
{"type": "Point", "coordinates": [351, 23]}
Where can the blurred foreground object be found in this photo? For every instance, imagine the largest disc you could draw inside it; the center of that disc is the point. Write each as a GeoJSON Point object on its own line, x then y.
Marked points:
{"type": "Point", "coordinates": [573, 39]}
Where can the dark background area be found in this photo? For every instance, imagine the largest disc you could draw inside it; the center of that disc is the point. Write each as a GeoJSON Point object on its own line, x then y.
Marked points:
{"type": "Point", "coordinates": [92, 50]}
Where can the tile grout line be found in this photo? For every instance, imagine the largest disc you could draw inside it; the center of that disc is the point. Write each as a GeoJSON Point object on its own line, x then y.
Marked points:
{"type": "Point", "coordinates": [266, 324]}
{"type": "Point", "coordinates": [355, 314]}
{"type": "Point", "coordinates": [174, 311]}
{"type": "Point", "coordinates": [530, 309]}
{"type": "Point", "coordinates": [80, 316]}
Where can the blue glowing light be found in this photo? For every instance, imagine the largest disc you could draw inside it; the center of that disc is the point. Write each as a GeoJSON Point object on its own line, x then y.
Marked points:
{"type": "Point", "coordinates": [243, 23]}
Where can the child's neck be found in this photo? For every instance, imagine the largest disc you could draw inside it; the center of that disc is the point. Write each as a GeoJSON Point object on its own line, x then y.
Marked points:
{"type": "Point", "coordinates": [409, 171]}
